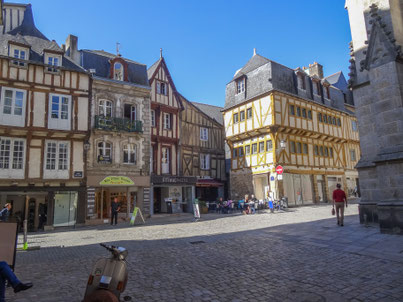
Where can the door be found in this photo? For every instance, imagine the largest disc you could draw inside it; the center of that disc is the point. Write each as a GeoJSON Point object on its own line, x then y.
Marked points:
{"type": "Point", "coordinates": [165, 160]}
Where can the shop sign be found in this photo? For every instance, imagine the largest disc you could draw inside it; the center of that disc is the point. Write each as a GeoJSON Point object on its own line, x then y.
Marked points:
{"type": "Point", "coordinates": [117, 181]}
{"type": "Point", "coordinates": [104, 159]}
{"type": "Point", "coordinates": [173, 180]}
{"type": "Point", "coordinates": [280, 177]}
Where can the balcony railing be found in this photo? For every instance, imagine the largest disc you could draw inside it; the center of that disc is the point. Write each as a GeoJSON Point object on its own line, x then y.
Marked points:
{"type": "Point", "coordinates": [117, 124]}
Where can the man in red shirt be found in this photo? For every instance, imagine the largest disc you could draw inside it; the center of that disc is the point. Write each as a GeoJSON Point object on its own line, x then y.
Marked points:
{"type": "Point", "coordinates": [339, 197]}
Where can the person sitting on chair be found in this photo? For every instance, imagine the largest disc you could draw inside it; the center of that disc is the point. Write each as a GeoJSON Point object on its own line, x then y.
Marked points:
{"type": "Point", "coordinates": [7, 274]}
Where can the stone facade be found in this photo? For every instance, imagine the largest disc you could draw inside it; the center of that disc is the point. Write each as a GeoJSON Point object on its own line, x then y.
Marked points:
{"type": "Point", "coordinates": [377, 84]}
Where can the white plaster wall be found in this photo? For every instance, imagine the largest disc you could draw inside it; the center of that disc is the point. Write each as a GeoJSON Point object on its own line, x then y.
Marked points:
{"type": "Point", "coordinates": [39, 109]}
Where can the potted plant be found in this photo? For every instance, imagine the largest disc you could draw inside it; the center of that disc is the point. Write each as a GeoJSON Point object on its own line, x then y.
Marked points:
{"type": "Point", "coordinates": [203, 207]}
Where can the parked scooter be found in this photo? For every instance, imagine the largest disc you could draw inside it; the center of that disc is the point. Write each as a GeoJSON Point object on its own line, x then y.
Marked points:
{"type": "Point", "coordinates": [108, 278]}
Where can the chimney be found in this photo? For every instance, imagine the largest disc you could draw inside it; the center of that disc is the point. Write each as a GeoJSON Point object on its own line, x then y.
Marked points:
{"type": "Point", "coordinates": [72, 49]}
{"type": "Point", "coordinates": [316, 69]}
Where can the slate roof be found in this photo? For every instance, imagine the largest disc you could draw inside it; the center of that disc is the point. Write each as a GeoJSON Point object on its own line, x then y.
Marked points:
{"type": "Point", "coordinates": [263, 76]}
{"type": "Point", "coordinates": [100, 61]}
{"type": "Point", "coordinates": [212, 111]}
{"type": "Point", "coordinates": [29, 35]}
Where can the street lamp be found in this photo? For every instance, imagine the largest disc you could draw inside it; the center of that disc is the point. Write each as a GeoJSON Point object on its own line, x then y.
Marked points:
{"type": "Point", "coordinates": [283, 144]}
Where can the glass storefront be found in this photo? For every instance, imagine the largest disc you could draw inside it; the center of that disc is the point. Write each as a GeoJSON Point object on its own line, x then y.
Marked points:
{"type": "Point", "coordinates": [65, 209]}
{"type": "Point", "coordinates": [298, 188]}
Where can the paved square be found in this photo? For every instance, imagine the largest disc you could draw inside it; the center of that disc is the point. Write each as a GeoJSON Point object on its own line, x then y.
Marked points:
{"type": "Point", "coordinates": [299, 255]}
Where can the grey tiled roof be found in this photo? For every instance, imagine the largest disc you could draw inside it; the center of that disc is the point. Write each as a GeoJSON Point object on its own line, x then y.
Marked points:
{"type": "Point", "coordinates": [100, 61]}
{"type": "Point", "coordinates": [262, 75]}
{"type": "Point", "coordinates": [212, 111]}
{"type": "Point", "coordinates": [29, 35]}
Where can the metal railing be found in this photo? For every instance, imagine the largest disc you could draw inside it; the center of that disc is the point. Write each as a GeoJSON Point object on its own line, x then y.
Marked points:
{"type": "Point", "coordinates": [117, 124]}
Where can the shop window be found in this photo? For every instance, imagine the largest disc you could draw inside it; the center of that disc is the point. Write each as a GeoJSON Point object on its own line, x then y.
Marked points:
{"type": "Point", "coordinates": [269, 145]}
{"type": "Point", "coordinates": [129, 154]}
{"type": "Point", "coordinates": [292, 110]}
{"type": "Point", "coordinates": [247, 149]}
{"type": "Point", "coordinates": [254, 148]}
{"type": "Point", "coordinates": [249, 113]}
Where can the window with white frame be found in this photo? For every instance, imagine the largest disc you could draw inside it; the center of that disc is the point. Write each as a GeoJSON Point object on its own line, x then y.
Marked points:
{"type": "Point", "coordinates": [118, 71]}
{"type": "Point", "coordinates": [54, 60]}
{"type": "Point", "coordinates": [203, 134]}
{"type": "Point", "coordinates": [12, 154]}
{"type": "Point", "coordinates": [152, 118]}
{"type": "Point", "coordinates": [129, 154]}
{"type": "Point", "coordinates": [18, 52]}
{"type": "Point", "coordinates": [59, 112]}
{"type": "Point", "coordinates": [205, 161]}
{"type": "Point", "coordinates": [12, 107]}
{"type": "Point", "coordinates": [105, 108]}
{"type": "Point", "coordinates": [167, 121]}
{"type": "Point", "coordinates": [165, 168]}
{"type": "Point", "coordinates": [104, 152]}
{"type": "Point", "coordinates": [57, 155]}
{"type": "Point", "coordinates": [130, 112]}
{"type": "Point", "coordinates": [240, 86]}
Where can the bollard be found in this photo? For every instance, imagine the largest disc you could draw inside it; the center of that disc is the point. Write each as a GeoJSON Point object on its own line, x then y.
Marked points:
{"type": "Point", "coordinates": [25, 245]}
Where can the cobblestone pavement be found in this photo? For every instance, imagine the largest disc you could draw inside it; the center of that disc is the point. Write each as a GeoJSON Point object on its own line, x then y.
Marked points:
{"type": "Point", "coordinates": [298, 255]}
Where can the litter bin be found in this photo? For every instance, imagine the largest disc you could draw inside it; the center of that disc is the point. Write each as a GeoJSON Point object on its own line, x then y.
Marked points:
{"type": "Point", "coordinates": [169, 207]}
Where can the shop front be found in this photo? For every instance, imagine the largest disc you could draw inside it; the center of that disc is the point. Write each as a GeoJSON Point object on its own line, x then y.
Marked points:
{"type": "Point", "coordinates": [45, 208]}
{"type": "Point", "coordinates": [298, 188]}
{"type": "Point", "coordinates": [131, 191]}
{"type": "Point", "coordinates": [172, 194]}
{"type": "Point", "coordinates": [209, 189]}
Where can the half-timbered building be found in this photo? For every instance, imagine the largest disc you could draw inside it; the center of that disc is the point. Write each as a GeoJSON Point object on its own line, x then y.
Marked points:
{"type": "Point", "coordinates": [44, 106]}
{"type": "Point", "coordinates": [295, 118]}
{"type": "Point", "coordinates": [166, 182]}
{"type": "Point", "coordinates": [118, 161]}
{"type": "Point", "coordinates": [202, 148]}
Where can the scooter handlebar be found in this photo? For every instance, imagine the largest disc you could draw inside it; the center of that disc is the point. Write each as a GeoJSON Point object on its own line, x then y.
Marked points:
{"type": "Point", "coordinates": [108, 247]}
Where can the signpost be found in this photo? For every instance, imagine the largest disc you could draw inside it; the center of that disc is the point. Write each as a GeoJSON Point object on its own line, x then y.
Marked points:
{"type": "Point", "coordinates": [279, 170]}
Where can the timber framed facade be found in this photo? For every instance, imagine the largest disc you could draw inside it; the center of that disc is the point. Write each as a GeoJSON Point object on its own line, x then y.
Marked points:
{"type": "Point", "coordinates": [320, 136]}
{"type": "Point", "coordinates": [202, 148]}
{"type": "Point", "coordinates": [43, 126]}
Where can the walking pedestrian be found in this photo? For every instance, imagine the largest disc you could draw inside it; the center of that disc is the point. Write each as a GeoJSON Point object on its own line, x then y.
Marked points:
{"type": "Point", "coordinates": [5, 212]}
{"type": "Point", "coordinates": [339, 198]}
{"type": "Point", "coordinates": [7, 274]}
{"type": "Point", "coordinates": [115, 208]}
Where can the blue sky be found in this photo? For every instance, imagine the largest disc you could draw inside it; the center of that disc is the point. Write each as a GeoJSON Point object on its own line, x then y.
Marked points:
{"type": "Point", "coordinates": [204, 42]}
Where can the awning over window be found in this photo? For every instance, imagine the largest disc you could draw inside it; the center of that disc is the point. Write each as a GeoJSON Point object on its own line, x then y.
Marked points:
{"type": "Point", "coordinates": [209, 183]}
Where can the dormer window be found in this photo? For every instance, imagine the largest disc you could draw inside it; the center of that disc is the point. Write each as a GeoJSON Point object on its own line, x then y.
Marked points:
{"type": "Point", "coordinates": [53, 60]}
{"type": "Point", "coordinates": [118, 71]}
{"type": "Point", "coordinates": [19, 52]}
{"type": "Point", "coordinates": [162, 88]}
{"type": "Point", "coordinates": [301, 81]}
{"type": "Point", "coordinates": [240, 86]}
